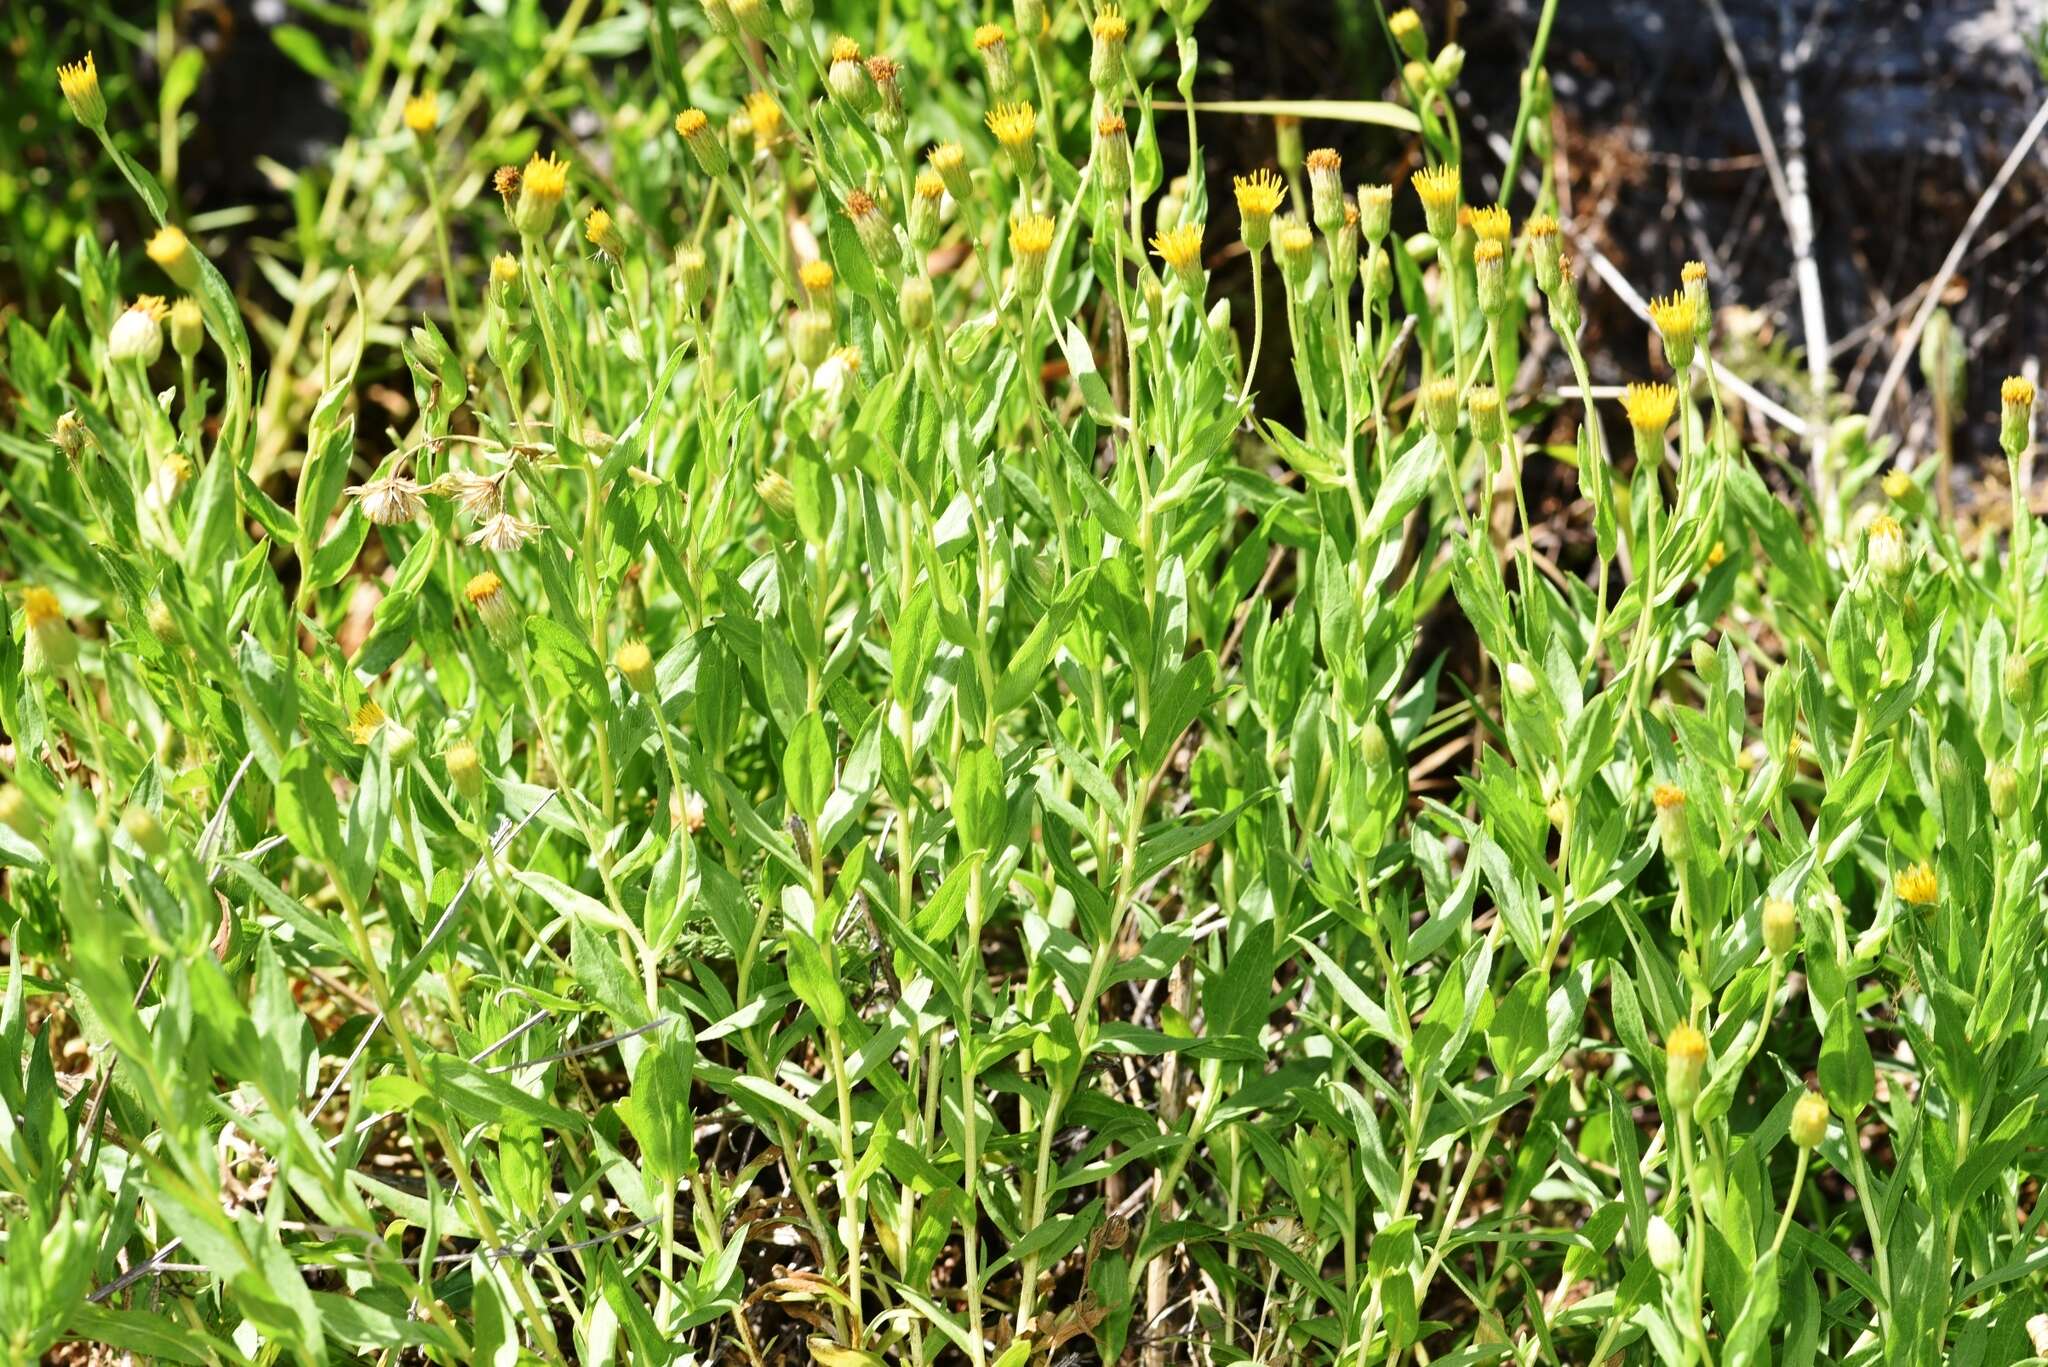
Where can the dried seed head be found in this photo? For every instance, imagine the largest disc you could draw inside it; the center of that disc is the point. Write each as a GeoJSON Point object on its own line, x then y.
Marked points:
{"type": "Point", "coordinates": [80, 82]}
{"type": "Point", "coordinates": [505, 180]}
{"type": "Point", "coordinates": [389, 500]}
{"type": "Point", "coordinates": [504, 533]}
{"type": "Point", "coordinates": [70, 435]}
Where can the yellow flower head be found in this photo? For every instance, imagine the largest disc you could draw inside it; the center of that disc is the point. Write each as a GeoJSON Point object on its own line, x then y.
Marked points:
{"type": "Point", "coordinates": [1110, 25]}
{"type": "Point", "coordinates": [39, 606]}
{"type": "Point", "coordinates": [947, 158]}
{"type": "Point", "coordinates": [2017, 390]}
{"type": "Point", "coordinates": [504, 270]}
{"type": "Point", "coordinates": [80, 82]}
{"type": "Point", "coordinates": [1716, 554]}
{"type": "Point", "coordinates": [1693, 273]}
{"type": "Point", "coordinates": [423, 112]}
{"type": "Point", "coordinates": [1489, 253]}
{"type": "Point", "coordinates": [151, 304]}
{"type": "Point", "coordinates": [363, 727]}
{"type": "Point", "coordinates": [1917, 885]}
{"type": "Point", "coordinates": [1406, 25]}
{"type": "Point", "coordinates": [1897, 484]}
{"type": "Point", "coordinates": [764, 115]}
{"type": "Point", "coordinates": [1649, 407]}
{"type": "Point", "coordinates": [1180, 248]}
{"type": "Point", "coordinates": [930, 185]}
{"type": "Point", "coordinates": [692, 122]}
{"type": "Point", "coordinates": [844, 49]}
{"type": "Point", "coordinates": [1031, 235]}
{"type": "Point", "coordinates": [1490, 223]}
{"type": "Point", "coordinates": [1014, 125]}
{"type": "Point", "coordinates": [481, 588]}
{"type": "Point", "coordinates": [1686, 1043]}
{"type": "Point", "coordinates": [546, 176]}
{"type": "Point", "coordinates": [603, 234]}
{"type": "Point", "coordinates": [1438, 189]}
{"type": "Point", "coordinates": [816, 276]}
{"type": "Point", "coordinates": [168, 246]}
{"type": "Point", "coordinates": [1667, 796]}
{"type": "Point", "coordinates": [1675, 316]}
{"type": "Point", "coordinates": [987, 36]}
{"type": "Point", "coordinates": [1259, 194]}
{"type": "Point", "coordinates": [1296, 241]}
{"type": "Point", "coordinates": [1540, 227]}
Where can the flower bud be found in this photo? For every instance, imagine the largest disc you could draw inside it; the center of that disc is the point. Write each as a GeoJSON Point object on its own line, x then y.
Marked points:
{"type": "Point", "coordinates": [777, 493]}
{"type": "Point", "coordinates": [172, 252]}
{"type": "Point", "coordinates": [1781, 927]}
{"type": "Point", "coordinates": [693, 273]}
{"type": "Point", "coordinates": [876, 233]}
{"type": "Point", "coordinates": [163, 624]}
{"type": "Point", "coordinates": [2016, 415]}
{"type": "Point", "coordinates": [1375, 212]}
{"type": "Point", "coordinates": [1667, 1255]}
{"type": "Point", "coordinates": [635, 664]}
{"type": "Point", "coordinates": [995, 61]}
{"type": "Point", "coordinates": [1408, 33]}
{"type": "Point", "coordinates": [1030, 17]}
{"type": "Point", "coordinates": [1343, 249]}
{"type": "Point", "coordinates": [810, 337]}
{"type": "Point", "coordinates": [1439, 191]}
{"type": "Point", "coordinates": [1106, 58]}
{"type": "Point", "coordinates": [1809, 1120]}
{"type": "Point", "coordinates": [1447, 66]}
{"type": "Point", "coordinates": [1110, 157]}
{"type": "Point", "coordinates": [754, 18]}
{"type": "Point", "coordinates": [1294, 247]}
{"type": "Point", "coordinates": [1030, 240]}
{"type": "Point", "coordinates": [1522, 681]}
{"type": "Point", "coordinates": [486, 593]}
{"type": "Point", "coordinates": [1440, 408]}
{"type": "Point", "coordinates": [1545, 248]}
{"type": "Point", "coordinates": [1490, 270]}
{"type": "Point", "coordinates": [146, 831]}
{"type": "Point", "coordinates": [1287, 143]}
{"type": "Point", "coordinates": [1685, 1061]}
{"type": "Point", "coordinates": [465, 769]}
{"type": "Point", "coordinates": [915, 303]}
{"type": "Point", "coordinates": [600, 232]}
{"type": "Point", "coordinates": [1677, 322]}
{"type": "Point", "coordinates": [70, 435]}
{"type": "Point", "coordinates": [1694, 278]}
{"type": "Point", "coordinates": [541, 187]}
{"type": "Point", "coordinates": [1372, 747]}
{"type": "Point", "coordinates": [950, 161]}
{"type": "Point", "coordinates": [1489, 423]}
{"type": "Point", "coordinates": [2019, 681]}
{"type": "Point", "coordinates": [719, 15]}
{"type": "Point", "coordinates": [188, 327]}
{"type": "Point", "coordinates": [1672, 826]}
{"type": "Point", "coordinates": [80, 82]}
{"type": "Point", "coordinates": [1565, 313]}
{"type": "Point", "coordinates": [138, 334]}
{"type": "Point", "coordinates": [798, 11]}
{"type": "Point", "coordinates": [1379, 276]}
{"type": "Point", "coordinates": [694, 127]}
{"type": "Point", "coordinates": [48, 645]}
{"type": "Point", "coordinates": [1886, 550]}
{"type": "Point", "coordinates": [1706, 661]}
{"type": "Point", "coordinates": [1326, 188]}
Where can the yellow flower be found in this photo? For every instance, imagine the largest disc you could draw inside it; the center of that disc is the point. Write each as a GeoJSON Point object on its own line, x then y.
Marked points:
{"type": "Point", "coordinates": [39, 606]}
{"type": "Point", "coordinates": [172, 251]}
{"type": "Point", "coordinates": [949, 159]}
{"type": "Point", "coordinates": [844, 49]}
{"type": "Point", "coordinates": [1540, 227]}
{"type": "Point", "coordinates": [987, 36]}
{"type": "Point", "coordinates": [504, 270]}
{"type": "Point", "coordinates": [1917, 885]}
{"type": "Point", "coordinates": [1259, 194]}
{"type": "Point", "coordinates": [1649, 407]}
{"type": "Point", "coordinates": [1406, 26]}
{"type": "Point", "coordinates": [1014, 126]}
{"type": "Point", "coordinates": [816, 277]}
{"type": "Point", "coordinates": [1438, 189]}
{"type": "Point", "coordinates": [1897, 484]}
{"type": "Point", "coordinates": [1676, 318]}
{"type": "Point", "coordinates": [1032, 235]}
{"type": "Point", "coordinates": [1717, 554]}
{"type": "Point", "coordinates": [541, 187]}
{"type": "Point", "coordinates": [423, 113]}
{"type": "Point", "coordinates": [364, 726]}
{"type": "Point", "coordinates": [2017, 390]}
{"type": "Point", "coordinates": [1110, 25]}
{"type": "Point", "coordinates": [80, 82]}
{"type": "Point", "coordinates": [930, 185]}
{"type": "Point", "coordinates": [1490, 223]}
{"type": "Point", "coordinates": [1667, 796]}
{"type": "Point", "coordinates": [603, 234]}
{"type": "Point", "coordinates": [1693, 273]}
{"type": "Point", "coordinates": [1180, 248]}
{"type": "Point", "coordinates": [764, 115]}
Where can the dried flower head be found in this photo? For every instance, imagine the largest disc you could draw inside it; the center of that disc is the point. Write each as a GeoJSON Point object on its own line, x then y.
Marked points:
{"type": "Point", "coordinates": [477, 496]}
{"type": "Point", "coordinates": [388, 501]}
{"type": "Point", "coordinates": [504, 533]}
{"type": "Point", "coordinates": [80, 82]}
{"type": "Point", "coordinates": [505, 180]}
{"type": "Point", "coordinates": [1917, 885]}
{"type": "Point", "coordinates": [423, 113]}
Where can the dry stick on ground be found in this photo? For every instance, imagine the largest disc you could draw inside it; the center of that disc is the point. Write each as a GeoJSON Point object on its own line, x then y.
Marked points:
{"type": "Point", "coordinates": [1910, 343]}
